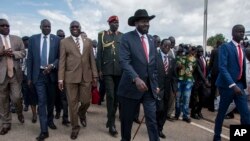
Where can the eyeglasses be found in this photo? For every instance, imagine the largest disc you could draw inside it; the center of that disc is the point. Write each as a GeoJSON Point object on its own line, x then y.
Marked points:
{"type": "Point", "coordinates": [5, 25]}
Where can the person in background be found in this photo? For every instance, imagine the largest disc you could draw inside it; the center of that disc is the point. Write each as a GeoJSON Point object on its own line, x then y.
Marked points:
{"type": "Point", "coordinates": [61, 100]}
{"type": "Point", "coordinates": [200, 82]}
{"type": "Point", "coordinates": [167, 84]}
{"type": "Point", "coordinates": [11, 51]}
{"type": "Point", "coordinates": [214, 71]}
{"type": "Point", "coordinates": [157, 41]}
{"type": "Point", "coordinates": [231, 80]}
{"type": "Point", "coordinates": [109, 68]}
{"type": "Point", "coordinates": [172, 52]}
{"type": "Point", "coordinates": [185, 67]}
{"type": "Point", "coordinates": [30, 96]}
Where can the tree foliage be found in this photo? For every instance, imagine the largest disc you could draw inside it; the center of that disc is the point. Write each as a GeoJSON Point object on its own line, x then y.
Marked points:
{"type": "Point", "coordinates": [213, 39]}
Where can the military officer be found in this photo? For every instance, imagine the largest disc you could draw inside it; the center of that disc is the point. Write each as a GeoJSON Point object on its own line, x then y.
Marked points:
{"type": "Point", "coordinates": [109, 68]}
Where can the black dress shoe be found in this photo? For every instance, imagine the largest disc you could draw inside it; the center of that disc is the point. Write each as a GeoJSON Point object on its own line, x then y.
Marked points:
{"type": "Point", "coordinates": [112, 131]}
{"type": "Point", "coordinates": [74, 132]}
{"type": "Point", "coordinates": [52, 126]}
{"type": "Point", "coordinates": [188, 120]}
{"type": "Point", "coordinates": [195, 116]}
{"type": "Point", "coordinates": [170, 119]}
{"type": "Point", "coordinates": [161, 135]}
{"type": "Point", "coordinates": [42, 136]}
{"type": "Point", "coordinates": [20, 118]}
{"type": "Point", "coordinates": [4, 131]}
{"type": "Point", "coordinates": [26, 108]}
{"type": "Point", "coordinates": [200, 115]}
{"type": "Point", "coordinates": [83, 122]}
{"type": "Point", "coordinates": [34, 119]}
{"type": "Point", "coordinates": [57, 116]}
{"type": "Point", "coordinates": [137, 121]}
{"type": "Point", "coordinates": [65, 123]}
{"type": "Point", "coordinates": [211, 109]}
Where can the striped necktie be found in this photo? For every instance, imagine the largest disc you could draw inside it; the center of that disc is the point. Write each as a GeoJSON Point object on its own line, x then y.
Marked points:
{"type": "Point", "coordinates": [165, 62]}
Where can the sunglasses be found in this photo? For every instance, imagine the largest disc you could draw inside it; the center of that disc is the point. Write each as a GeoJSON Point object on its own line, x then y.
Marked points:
{"type": "Point", "coordinates": [5, 25]}
{"type": "Point", "coordinates": [75, 26]}
{"type": "Point", "coordinates": [62, 36]}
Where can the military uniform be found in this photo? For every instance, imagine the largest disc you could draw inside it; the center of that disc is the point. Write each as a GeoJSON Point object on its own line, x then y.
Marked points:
{"type": "Point", "coordinates": [108, 64]}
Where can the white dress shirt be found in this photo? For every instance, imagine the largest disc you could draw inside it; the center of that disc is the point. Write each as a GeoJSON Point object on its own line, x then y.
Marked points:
{"type": "Point", "coordinates": [7, 38]}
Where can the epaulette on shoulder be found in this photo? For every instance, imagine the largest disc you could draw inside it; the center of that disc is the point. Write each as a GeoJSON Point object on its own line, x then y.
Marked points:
{"type": "Point", "coordinates": [101, 32]}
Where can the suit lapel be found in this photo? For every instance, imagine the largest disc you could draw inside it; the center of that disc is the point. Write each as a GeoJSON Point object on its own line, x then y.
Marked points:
{"type": "Point", "coordinates": [84, 45]}
{"type": "Point", "coordinates": [12, 42]}
{"type": "Point", "coordinates": [37, 46]}
{"type": "Point", "coordinates": [236, 52]}
{"type": "Point", "coordinates": [51, 48]}
{"type": "Point", "coordinates": [151, 48]}
{"type": "Point", "coordinates": [161, 65]}
{"type": "Point", "coordinates": [74, 46]}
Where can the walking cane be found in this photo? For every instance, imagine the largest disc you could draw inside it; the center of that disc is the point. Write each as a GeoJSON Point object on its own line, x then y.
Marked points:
{"type": "Point", "coordinates": [138, 127]}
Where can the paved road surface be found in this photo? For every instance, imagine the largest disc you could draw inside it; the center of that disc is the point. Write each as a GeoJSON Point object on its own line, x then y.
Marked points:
{"type": "Point", "coordinates": [197, 130]}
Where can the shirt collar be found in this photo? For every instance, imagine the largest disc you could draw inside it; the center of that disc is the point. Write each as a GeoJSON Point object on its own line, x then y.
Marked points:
{"type": "Point", "coordinates": [235, 43]}
{"type": "Point", "coordinates": [145, 35]}
{"type": "Point", "coordinates": [42, 35]}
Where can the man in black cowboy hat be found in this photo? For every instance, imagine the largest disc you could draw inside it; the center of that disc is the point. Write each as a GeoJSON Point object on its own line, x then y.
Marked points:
{"type": "Point", "coordinates": [138, 83]}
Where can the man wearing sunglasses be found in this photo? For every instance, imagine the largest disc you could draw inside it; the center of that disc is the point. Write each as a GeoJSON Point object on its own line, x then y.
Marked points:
{"type": "Point", "coordinates": [11, 51]}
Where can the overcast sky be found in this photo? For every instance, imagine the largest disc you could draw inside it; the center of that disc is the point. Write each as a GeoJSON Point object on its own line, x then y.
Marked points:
{"type": "Point", "coordinates": [182, 19]}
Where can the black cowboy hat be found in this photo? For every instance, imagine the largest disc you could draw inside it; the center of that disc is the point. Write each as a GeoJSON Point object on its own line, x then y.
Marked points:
{"type": "Point", "coordinates": [139, 14]}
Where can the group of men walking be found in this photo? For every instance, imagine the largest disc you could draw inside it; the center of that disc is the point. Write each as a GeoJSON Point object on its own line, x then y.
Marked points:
{"type": "Point", "coordinates": [133, 70]}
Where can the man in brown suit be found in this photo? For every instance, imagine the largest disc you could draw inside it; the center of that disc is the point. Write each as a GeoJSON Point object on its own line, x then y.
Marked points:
{"type": "Point", "coordinates": [77, 70]}
{"type": "Point", "coordinates": [11, 51]}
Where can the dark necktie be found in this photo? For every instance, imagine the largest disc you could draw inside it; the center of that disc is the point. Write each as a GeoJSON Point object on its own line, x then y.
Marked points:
{"type": "Point", "coordinates": [240, 61]}
{"type": "Point", "coordinates": [44, 52]}
{"type": "Point", "coordinates": [144, 46]}
{"type": "Point", "coordinates": [203, 65]}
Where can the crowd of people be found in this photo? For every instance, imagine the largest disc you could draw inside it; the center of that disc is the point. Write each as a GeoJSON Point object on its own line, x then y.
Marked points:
{"type": "Point", "coordinates": [53, 73]}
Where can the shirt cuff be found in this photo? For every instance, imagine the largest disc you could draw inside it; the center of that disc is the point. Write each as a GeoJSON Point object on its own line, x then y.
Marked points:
{"type": "Point", "coordinates": [230, 86]}
{"type": "Point", "coordinates": [60, 81]}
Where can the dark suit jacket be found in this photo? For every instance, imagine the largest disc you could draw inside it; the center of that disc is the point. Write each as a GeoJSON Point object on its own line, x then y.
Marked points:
{"type": "Point", "coordinates": [213, 63]}
{"type": "Point", "coordinates": [33, 62]}
{"type": "Point", "coordinates": [167, 82]}
{"type": "Point", "coordinates": [198, 72]}
{"type": "Point", "coordinates": [19, 53]}
{"type": "Point", "coordinates": [108, 53]}
{"type": "Point", "coordinates": [134, 64]}
{"type": "Point", "coordinates": [229, 66]}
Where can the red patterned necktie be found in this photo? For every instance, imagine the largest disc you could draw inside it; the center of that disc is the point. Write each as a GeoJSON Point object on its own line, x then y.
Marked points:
{"type": "Point", "coordinates": [240, 61]}
{"type": "Point", "coordinates": [165, 62]}
{"type": "Point", "coordinates": [144, 46]}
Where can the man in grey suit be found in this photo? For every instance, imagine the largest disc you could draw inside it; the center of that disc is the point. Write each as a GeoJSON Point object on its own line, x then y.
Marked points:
{"type": "Point", "coordinates": [139, 78]}
{"type": "Point", "coordinates": [11, 51]}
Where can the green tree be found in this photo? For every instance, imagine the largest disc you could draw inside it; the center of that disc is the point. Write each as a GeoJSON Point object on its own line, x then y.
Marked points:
{"type": "Point", "coordinates": [213, 39]}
